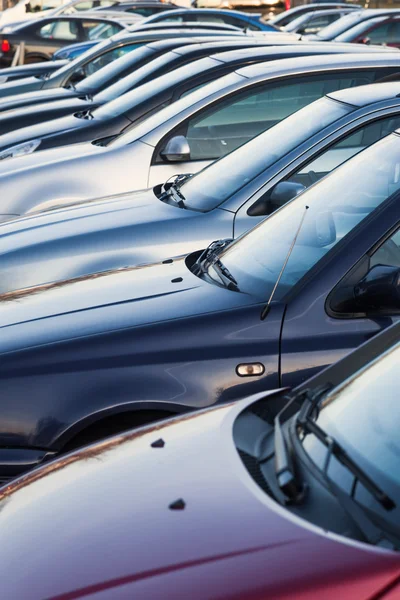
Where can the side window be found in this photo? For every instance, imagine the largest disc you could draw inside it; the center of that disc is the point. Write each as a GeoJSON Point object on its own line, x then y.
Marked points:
{"type": "Point", "coordinates": [379, 34]}
{"type": "Point", "coordinates": [108, 57]}
{"type": "Point", "coordinates": [341, 151]}
{"type": "Point", "coordinates": [60, 30]}
{"type": "Point", "coordinates": [239, 118]}
{"type": "Point", "coordinates": [394, 33]}
{"type": "Point", "coordinates": [388, 253]}
{"type": "Point", "coordinates": [93, 30]}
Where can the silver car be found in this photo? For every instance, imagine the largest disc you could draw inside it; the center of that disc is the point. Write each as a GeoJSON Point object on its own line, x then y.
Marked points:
{"type": "Point", "coordinates": [185, 136]}
{"type": "Point", "coordinates": [223, 201]}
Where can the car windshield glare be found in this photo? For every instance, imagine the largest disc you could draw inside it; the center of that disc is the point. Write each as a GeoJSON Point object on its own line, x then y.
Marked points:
{"type": "Point", "coordinates": [218, 182]}
{"type": "Point", "coordinates": [337, 204]}
{"type": "Point", "coordinates": [363, 415]}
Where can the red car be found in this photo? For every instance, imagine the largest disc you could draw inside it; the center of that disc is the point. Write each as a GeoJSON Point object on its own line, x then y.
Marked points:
{"type": "Point", "coordinates": [235, 502]}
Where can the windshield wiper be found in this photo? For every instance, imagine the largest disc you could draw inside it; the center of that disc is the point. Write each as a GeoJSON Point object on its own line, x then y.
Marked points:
{"type": "Point", "coordinates": [210, 258]}
{"type": "Point", "coordinates": [171, 190]}
{"type": "Point", "coordinates": [373, 533]}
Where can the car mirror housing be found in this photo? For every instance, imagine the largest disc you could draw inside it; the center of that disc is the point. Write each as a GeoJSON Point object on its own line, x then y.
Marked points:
{"type": "Point", "coordinates": [285, 191]}
{"type": "Point", "coordinates": [379, 289]}
{"type": "Point", "coordinates": [177, 149]}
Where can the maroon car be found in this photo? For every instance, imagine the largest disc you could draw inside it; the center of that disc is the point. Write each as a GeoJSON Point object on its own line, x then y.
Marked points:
{"type": "Point", "coordinates": [244, 501]}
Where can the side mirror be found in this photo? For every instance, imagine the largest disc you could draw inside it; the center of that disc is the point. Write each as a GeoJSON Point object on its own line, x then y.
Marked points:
{"type": "Point", "coordinates": [365, 40]}
{"type": "Point", "coordinates": [379, 289]}
{"type": "Point", "coordinates": [78, 75]}
{"type": "Point", "coordinates": [285, 191]}
{"type": "Point", "coordinates": [176, 150]}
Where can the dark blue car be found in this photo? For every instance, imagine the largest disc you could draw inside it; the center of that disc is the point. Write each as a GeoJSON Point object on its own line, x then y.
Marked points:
{"type": "Point", "coordinates": [236, 18]}
{"type": "Point", "coordinates": [100, 353]}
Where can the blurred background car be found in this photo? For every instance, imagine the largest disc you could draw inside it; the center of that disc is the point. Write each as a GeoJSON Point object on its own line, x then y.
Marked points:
{"type": "Point", "coordinates": [349, 21]}
{"type": "Point", "coordinates": [380, 30]}
{"type": "Point", "coordinates": [287, 16]}
{"type": "Point", "coordinates": [229, 17]}
{"type": "Point", "coordinates": [315, 21]}
{"type": "Point", "coordinates": [143, 8]}
{"type": "Point", "coordinates": [43, 37]}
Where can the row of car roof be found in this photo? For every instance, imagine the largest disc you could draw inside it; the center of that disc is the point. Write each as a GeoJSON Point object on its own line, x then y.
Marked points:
{"type": "Point", "coordinates": [120, 308]}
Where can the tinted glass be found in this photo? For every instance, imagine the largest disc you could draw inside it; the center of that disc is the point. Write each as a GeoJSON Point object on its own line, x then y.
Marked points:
{"type": "Point", "coordinates": [358, 30]}
{"type": "Point", "coordinates": [363, 415]}
{"type": "Point", "coordinates": [239, 119]}
{"type": "Point", "coordinates": [108, 57]}
{"type": "Point", "coordinates": [337, 204]}
{"type": "Point", "coordinates": [102, 31]}
{"type": "Point", "coordinates": [349, 146]}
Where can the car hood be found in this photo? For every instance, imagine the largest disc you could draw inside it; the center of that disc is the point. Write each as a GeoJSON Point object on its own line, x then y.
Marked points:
{"type": "Point", "coordinates": [18, 99]}
{"type": "Point", "coordinates": [165, 508]}
{"type": "Point", "coordinates": [65, 243]}
{"type": "Point", "coordinates": [107, 301]}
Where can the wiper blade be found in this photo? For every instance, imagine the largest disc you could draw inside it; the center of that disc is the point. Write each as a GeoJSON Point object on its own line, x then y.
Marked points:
{"type": "Point", "coordinates": [172, 190]}
{"type": "Point", "coordinates": [210, 258]}
{"type": "Point", "coordinates": [306, 422]}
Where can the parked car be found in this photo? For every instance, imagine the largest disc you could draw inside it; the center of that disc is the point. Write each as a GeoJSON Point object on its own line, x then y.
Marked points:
{"type": "Point", "coordinates": [142, 26]}
{"type": "Point", "coordinates": [44, 36]}
{"type": "Point", "coordinates": [232, 17]}
{"type": "Point", "coordinates": [381, 30]}
{"type": "Point", "coordinates": [313, 22]}
{"type": "Point", "coordinates": [94, 351]}
{"type": "Point", "coordinates": [172, 75]}
{"type": "Point", "coordinates": [80, 6]}
{"type": "Point", "coordinates": [286, 17]}
{"type": "Point", "coordinates": [96, 71]}
{"type": "Point", "coordinates": [144, 8]}
{"type": "Point", "coordinates": [27, 9]}
{"type": "Point", "coordinates": [349, 21]}
{"type": "Point", "coordinates": [213, 474]}
{"type": "Point", "coordinates": [183, 137]}
{"type": "Point", "coordinates": [316, 139]}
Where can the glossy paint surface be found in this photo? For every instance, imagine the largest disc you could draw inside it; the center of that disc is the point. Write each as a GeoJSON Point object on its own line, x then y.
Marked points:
{"type": "Point", "coordinates": [122, 540]}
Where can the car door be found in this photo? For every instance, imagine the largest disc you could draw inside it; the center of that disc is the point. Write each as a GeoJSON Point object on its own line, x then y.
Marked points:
{"type": "Point", "coordinates": [322, 321]}
{"type": "Point", "coordinates": [235, 119]}
{"type": "Point", "coordinates": [307, 168]}
{"type": "Point", "coordinates": [57, 33]}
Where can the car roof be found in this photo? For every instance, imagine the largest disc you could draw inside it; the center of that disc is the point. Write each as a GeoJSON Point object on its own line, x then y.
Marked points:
{"type": "Point", "coordinates": [368, 94]}
{"type": "Point", "coordinates": [74, 17]}
{"type": "Point", "coordinates": [215, 11]}
{"type": "Point", "coordinates": [306, 63]}
{"type": "Point", "coordinates": [312, 48]}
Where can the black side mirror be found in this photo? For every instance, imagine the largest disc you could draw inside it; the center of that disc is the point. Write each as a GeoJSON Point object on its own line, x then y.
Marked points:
{"type": "Point", "coordinates": [379, 289]}
{"type": "Point", "coordinates": [274, 199]}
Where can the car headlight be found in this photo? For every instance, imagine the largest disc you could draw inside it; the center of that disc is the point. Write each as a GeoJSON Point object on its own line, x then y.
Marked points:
{"type": "Point", "coordinates": [20, 149]}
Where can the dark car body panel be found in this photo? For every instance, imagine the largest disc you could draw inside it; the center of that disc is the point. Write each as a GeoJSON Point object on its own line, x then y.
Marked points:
{"type": "Point", "coordinates": [158, 337]}
{"type": "Point", "coordinates": [36, 69]}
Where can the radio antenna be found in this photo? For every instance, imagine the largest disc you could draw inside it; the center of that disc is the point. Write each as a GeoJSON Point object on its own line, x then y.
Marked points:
{"type": "Point", "coordinates": [266, 309]}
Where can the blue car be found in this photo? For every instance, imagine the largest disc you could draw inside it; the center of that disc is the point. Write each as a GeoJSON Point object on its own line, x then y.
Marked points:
{"type": "Point", "coordinates": [99, 353]}
{"type": "Point", "coordinates": [73, 50]}
{"type": "Point", "coordinates": [211, 15]}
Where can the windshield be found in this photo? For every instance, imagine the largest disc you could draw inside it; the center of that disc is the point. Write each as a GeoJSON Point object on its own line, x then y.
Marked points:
{"type": "Point", "coordinates": [116, 68]}
{"type": "Point", "coordinates": [336, 28]}
{"type": "Point", "coordinates": [358, 29]}
{"type": "Point", "coordinates": [81, 59]}
{"type": "Point", "coordinates": [363, 415]}
{"type": "Point", "coordinates": [213, 185]}
{"type": "Point", "coordinates": [337, 204]}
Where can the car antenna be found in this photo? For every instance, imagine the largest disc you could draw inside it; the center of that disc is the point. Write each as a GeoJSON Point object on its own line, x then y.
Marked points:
{"type": "Point", "coordinates": [266, 309]}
